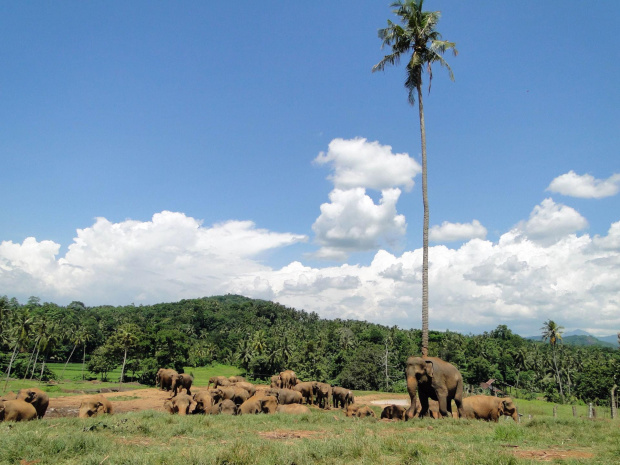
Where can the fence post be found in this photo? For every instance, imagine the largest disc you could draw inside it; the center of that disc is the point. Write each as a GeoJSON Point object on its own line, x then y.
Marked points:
{"type": "Point", "coordinates": [614, 413]}
{"type": "Point", "coordinates": [555, 411]}
{"type": "Point", "coordinates": [590, 410]}
{"type": "Point", "coordinates": [594, 412]}
{"type": "Point", "coordinates": [575, 411]}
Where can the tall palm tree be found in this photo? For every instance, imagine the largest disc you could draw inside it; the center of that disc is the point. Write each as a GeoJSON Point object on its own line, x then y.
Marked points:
{"type": "Point", "coordinates": [417, 35]}
{"type": "Point", "coordinates": [553, 333]}
{"type": "Point", "coordinates": [127, 337]}
{"type": "Point", "coordinates": [19, 334]}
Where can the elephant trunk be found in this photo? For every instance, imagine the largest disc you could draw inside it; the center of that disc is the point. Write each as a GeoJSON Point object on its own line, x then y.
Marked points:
{"type": "Point", "coordinates": [412, 388]}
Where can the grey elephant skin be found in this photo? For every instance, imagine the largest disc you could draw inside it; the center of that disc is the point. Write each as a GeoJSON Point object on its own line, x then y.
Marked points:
{"type": "Point", "coordinates": [433, 378]}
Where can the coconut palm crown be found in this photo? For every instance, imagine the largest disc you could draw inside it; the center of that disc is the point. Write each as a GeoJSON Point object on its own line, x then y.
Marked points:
{"type": "Point", "coordinates": [417, 35]}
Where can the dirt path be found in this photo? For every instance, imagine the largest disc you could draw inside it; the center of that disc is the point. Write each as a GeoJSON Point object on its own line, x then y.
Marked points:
{"type": "Point", "coordinates": [153, 399]}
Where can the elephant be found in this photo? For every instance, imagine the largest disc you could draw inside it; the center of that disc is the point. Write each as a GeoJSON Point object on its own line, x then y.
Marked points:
{"type": "Point", "coordinates": [323, 393]}
{"type": "Point", "coordinates": [236, 394]}
{"type": "Point", "coordinates": [286, 396]}
{"type": "Point", "coordinates": [203, 400]}
{"type": "Point", "coordinates": [288, 378]}
{"type": "Point", "coordinates": [39, 399]}
{"type": "Point", "coordinates": [218, 381]}
{"type": "Point", "coordinates": [394, 412]}
{"type": "Point", "coordinates": [17, 410]}
{"type": "Point", "coordinates": [342, 397]}
{"type": "Point", "coordinates": [165, 377]}
{"type": "Point", "coordinates": [236, 379]}
{"type": "Point", "coordinates": [182, 381]}
{"type": "Point", "coordinates": [307, 390]}
{"type": "Point", "coordinates": [276, 381]}
{"type": "Point", "coordinates": [433, 378]}
{"type": "Point", "coordinates": [295, 409]}
{"type": "Point", "coordinates": [489, 408]}
{"type": "Point", "coordinates": [227, 407]}
{"type": "Point", "coordinates": [247, 386]}
{"type": "Point", "coordinates": [258, 404]}
{"type": "Point", "coordinates": [95, 405]}
{"type": "Point", "coordinates": [355, 410]}
{"type": "Point", "coordinates": [181, 404]}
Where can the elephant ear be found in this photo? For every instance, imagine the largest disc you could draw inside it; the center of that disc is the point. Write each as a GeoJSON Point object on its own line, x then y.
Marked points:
{"type": "Point", "coordinates": [99, 407]}
{"type": "Point", "coordinates": [430, 369]}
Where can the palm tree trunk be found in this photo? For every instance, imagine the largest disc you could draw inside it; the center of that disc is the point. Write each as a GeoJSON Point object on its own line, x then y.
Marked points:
{"type": "Point", "coordinates": [555, 363]}
{"type": "Point", "coordinates": [8, 372]}
{"type": "Point", "coordinates": [67, 362]}
{"type": "Point", "coordinates": [123, 370]}
{"type": "Point", "coordinates": [83, 361]}
{"type": "Point", "coordinates": [425, 230]}
{"type": "Point", "coordinates": [35, 362]}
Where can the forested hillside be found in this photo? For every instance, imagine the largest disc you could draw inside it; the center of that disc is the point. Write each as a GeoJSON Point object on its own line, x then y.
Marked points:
{"type": "Point", "coordinates": [264, 338]}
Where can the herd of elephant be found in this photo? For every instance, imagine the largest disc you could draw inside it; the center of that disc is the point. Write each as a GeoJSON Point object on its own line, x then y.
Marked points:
{"type": "Point", "coordinates": [235, 396]}
{"type": "Point", "coordinates": [431, 382]}
{"type": "Point", "coordinates": [31, 403]}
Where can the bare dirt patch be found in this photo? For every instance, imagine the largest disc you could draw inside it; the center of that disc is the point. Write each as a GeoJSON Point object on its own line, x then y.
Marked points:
{"type": "Point", "coordinates": [132, 401]}
{"type": "Point", "coordinates": [552, 455]}
{"type": "Point", "coordinates": [282, 434]}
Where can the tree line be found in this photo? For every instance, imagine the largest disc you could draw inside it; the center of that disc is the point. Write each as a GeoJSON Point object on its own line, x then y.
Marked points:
{"type": "Point", "coordinates": [263, 338]}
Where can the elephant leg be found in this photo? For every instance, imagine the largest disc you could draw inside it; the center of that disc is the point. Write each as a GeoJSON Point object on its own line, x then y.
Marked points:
{"type": "Point", "coordinates": [443, 405]}
{"type": "Point", "coordinates": [459, 407]}
{"type": "Point", "coordinates": [424, 404]}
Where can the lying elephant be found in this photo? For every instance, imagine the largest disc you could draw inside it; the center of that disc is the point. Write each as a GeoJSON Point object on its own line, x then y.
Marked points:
{"type": "Point", "coordinates": [295, 409]}
{"type": "Point", "coordinates": [236, 394]}
{"type": "Point", "coordinates": [94, 406]}
{"type": "Point", "coordinates": [489, 408]}
{"type": "Point", "coordinates": [432, 411]}
{"type": "Point", "coordinates": [16, 410]}
{"type": "Point", "coordinates": [218, 381]}
{"type": "Point", "coordinates": [204, 401]}
{"type": "Point", "coordinates": [181, 404]}
{"type": "Point", "coordinates": [360, 411]}
{"type": "Point", "coordinates": [182, 381]}
{"type": "Point", "coordinates": [286, 396]}
{"type": "Point", "coordinates": [39, 399]}
{"type": "Point", "coordinates": [258, 404]}
{"type": "Point", "coordinates": [227, 407]}
{"type": "Point", "coordinates": [9, 396]}
{"type": "Point", "coordinates": [394, 412]}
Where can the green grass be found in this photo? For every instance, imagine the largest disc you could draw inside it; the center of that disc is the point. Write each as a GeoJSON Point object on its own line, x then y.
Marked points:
{"type": "Point", "coordinates": [318, 438]}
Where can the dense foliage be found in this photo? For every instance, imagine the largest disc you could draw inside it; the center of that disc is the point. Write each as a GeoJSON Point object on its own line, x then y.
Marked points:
{"type": "Point", "coordinates": [264, 338]}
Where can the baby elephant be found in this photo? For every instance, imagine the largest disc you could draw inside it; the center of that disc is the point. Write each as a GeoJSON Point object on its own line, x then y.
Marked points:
{"type": "Point", "coordinates": [489, 408]}
{"type": "Point", "coordinates": [16, 410]}
{"type": "Point", "coordinates": [360, 411]}
{"type": "Point", "coordinates": [294, 409]}
{"type": "Point", "coordinates": [94, 406]}
{"type": "Point", "coordinates": [394, 412]}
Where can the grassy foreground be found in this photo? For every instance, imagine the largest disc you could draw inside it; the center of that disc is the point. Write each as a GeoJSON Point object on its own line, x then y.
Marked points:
{"type": "Point", "coordinates": [151, 437]}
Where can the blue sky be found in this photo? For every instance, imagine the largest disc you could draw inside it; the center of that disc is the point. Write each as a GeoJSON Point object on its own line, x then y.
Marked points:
{"type": "Point", "coordinates": [158, 151]}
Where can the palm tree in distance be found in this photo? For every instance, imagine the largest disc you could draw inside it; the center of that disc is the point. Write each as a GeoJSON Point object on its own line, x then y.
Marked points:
{"type": "Point", "coordinates": [553, 333]}
{"type": "Point", "coordinates": [417, 35]}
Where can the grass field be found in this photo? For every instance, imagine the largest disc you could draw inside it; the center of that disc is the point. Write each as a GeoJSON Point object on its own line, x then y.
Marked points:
{"type": "Point", "coordinates": [154, 437]}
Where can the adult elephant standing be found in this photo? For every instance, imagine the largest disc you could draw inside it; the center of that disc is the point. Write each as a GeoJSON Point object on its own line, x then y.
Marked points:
{"type": "Point", "coordinates": [342, 397]}
{"type": "Point", "coordinates": [182, 381]}
{"type": "Point", "coordinates": [432, 378]}
{"type": "Point", "coordinates": [286, 396]}
{"type": "Point", "coordinates": [165, 377]}
{"type": "Point", "coordinates": [306, 389]}
{"type": "Point", "coordinates": [218, 381]}
{"type": "Point", "coordinates": [489, 408]}
{"type": "Point", "coordinates": [323, 394]}
{"type": "Point", "coordinates": [288, 379]}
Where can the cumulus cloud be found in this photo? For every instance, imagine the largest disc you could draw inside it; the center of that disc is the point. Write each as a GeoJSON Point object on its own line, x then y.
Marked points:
{"type": "Point", "coordinates": [550, 221]}
{"type": "Point", "coordinates": [516, 281]}
{"type": "Point", "coordinates": [451, 232]}
{"type": "Point", "coordinates": [171, 256]}
{"type": "Point", "coordinates": [359, 163]}
{"type": "Point", "coordinates": [585, 186]}
{"type": "Point", "coordinates": [353, 222]}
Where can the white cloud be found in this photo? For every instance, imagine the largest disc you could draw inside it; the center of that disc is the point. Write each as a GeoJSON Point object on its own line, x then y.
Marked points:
{"type": "Point", "coordinates": [549, 222]}
{"type": "Point", "coordinates": [516, 281]}
{"type": "Point", "coordinates": [359, 163]}
{"type": "Point", "coordinates": [585, 186]}
{"type": "Point", "coordinates": [450, 232]}
{"type": "Point", "coordinates": [353, 222]}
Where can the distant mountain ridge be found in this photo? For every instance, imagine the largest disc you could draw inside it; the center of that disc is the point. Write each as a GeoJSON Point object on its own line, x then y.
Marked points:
{"type": "Point", "coordinates": [579, 337]}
